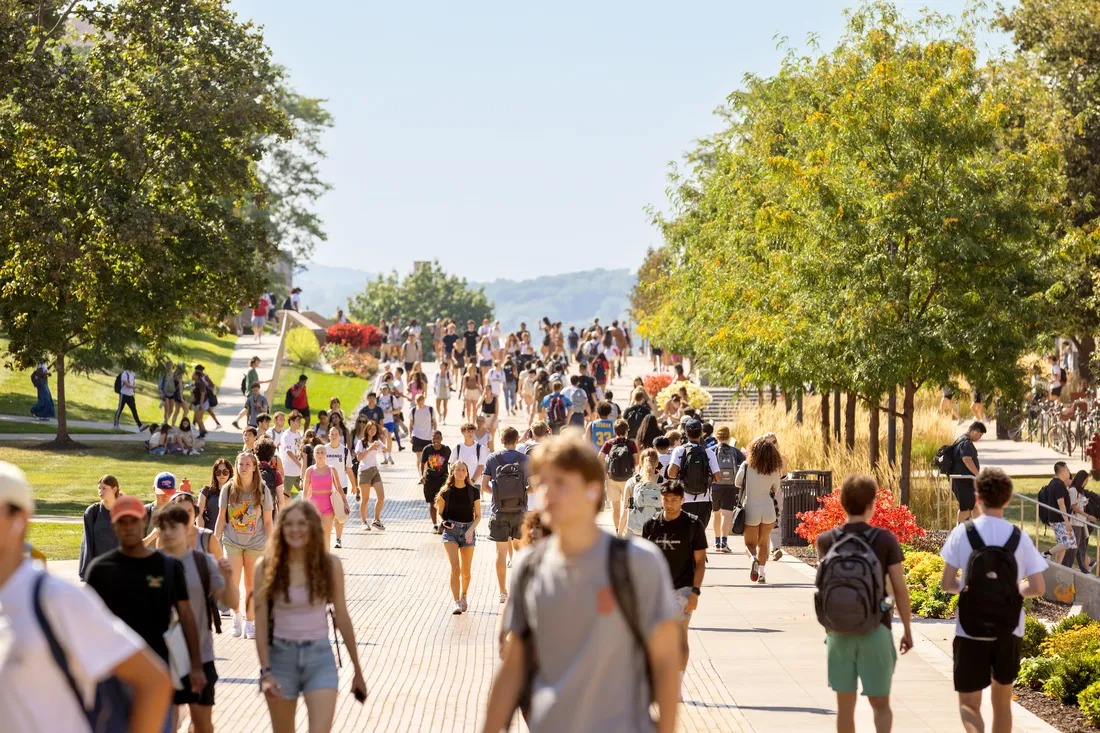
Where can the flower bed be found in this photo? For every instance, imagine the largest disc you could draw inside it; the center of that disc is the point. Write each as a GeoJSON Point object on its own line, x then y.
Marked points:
{"type": "Point", "coordinates": [359, 336]}
{"type": "Point", "coordinates": [1064, 663]}
{"type": "Point", "coordinates": [654, 383]}
{"type": "Point", "coordinates": [349, 362]}
{"type": "Point", "coordinates": [697, 396]}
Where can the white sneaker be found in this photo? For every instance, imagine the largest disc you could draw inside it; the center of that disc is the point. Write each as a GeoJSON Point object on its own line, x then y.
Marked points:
{"type": "Point", "coordinates": [249, 630]}
{"type": "Point", "coordinates": [462, 603]}
{"type": "Point", "coordinates": [238, 624]}
{"type": "Point", "coordinates": [458, 608]}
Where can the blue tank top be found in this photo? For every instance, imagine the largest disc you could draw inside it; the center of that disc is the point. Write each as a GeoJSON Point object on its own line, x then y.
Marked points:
{"type": "Point", "coordinates": [602, 431]}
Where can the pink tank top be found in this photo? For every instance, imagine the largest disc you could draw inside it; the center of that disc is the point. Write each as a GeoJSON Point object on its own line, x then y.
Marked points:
{"type": "Point", "coordinates": [299, 620]}
{"type": "Point", "coordinates": [321, 482]}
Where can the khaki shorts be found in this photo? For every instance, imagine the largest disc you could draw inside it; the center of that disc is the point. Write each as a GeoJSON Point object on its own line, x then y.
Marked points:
{"type": "Point", "coordinates": [615, 490]}
{"type": "Point", "coordinates": [232, 550]}
{"type": "Point", "coordinates": [369, 476]}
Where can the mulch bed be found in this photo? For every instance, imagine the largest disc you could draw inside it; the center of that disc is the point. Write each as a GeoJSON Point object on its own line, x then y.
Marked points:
{"type": "Point", "coordinates": [806, 554]}
{"type": "Point", "coordinates": [1066, 718]}
{"type": "Point", "coordinates": [1046, 610]}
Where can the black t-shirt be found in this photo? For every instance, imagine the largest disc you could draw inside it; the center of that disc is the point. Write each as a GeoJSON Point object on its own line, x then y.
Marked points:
{"type": "Point", "coordinates": [374, 413]}
{"type": "Point", "coordinates": [435, 461]}
{"type": "Point", "coordinates": [588, 384]}
{"type": "Point", "coordinates": [449, 342]}
{"type": "Point", "coordinates": [964, 447]}
{"type": "Point", "coordinates": [471, 342]}
{"type": "Point", "coordinates": [140, 591]}
{"type": "Point", "coordinates": [886, 547]}
{"type": "Point", "coordinates": [678, 539]}
{"type": "Point", "coordinates": [458, 504]}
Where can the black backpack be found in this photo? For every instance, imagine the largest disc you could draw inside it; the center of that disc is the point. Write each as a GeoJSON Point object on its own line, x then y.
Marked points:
{"type": "Point", "coordinates": [620, 461]}
{"type": "Point", "coordinates": [634, 416]}
{"type": "Point", "coordinates": [1048, 503]}
{"type": "Point", "coordinates": [850, 587]}
{"type": "Point", "coordinates": [945, 458]}
{"type": "Point", "coordinates": [213, 617]}
{"type": "Point", "coordinates": [288, 403]}
{"type": "Point", "coordinates": [990, 602]}
{"type": "Point", "coordinates": [695, 470]}
{"type": "Point", "coordinates": [510, 487]}
{"type": "Point", "coordinates": [728, 463]}
{"type": "Point", "coordinates": [118, 383]}
{"type": "Point", "coordinates": [267, 475]}
{"type": "Point", "coordinates": [244, 384]}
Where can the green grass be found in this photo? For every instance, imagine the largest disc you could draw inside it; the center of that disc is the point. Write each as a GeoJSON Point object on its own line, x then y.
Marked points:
{"type": "Point", "coordinates": [321, 388]}
{"type": "Point", "coordinates": [92, 396]}
{"type": "Point", "coordinates": [51, 428]}
{"type": "Point", "coordinates": [65, 481]}
{"type": "Point", "coordinates": [56, 541]}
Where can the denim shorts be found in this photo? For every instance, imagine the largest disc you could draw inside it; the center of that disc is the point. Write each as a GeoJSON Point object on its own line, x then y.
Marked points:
{"type": "Point", "coordinates": [457, 534]}
{"type": "Point", "coordinates": [303, 666]}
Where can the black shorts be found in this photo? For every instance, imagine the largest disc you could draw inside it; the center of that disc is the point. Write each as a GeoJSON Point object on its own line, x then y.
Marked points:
{"type": "Point", "coordinates": [304, 412]}
{"type": "Point", "coordinates": [700, 509]}
{"type": "Point", "coordinates": [723, 496]}
{"type": "Point", "coordinates": [963, 489]}
{"type": "Point", "coordinates": [206, 697]}
{"type": "Point", "coordinates": [433, 482]}
{"type": "Point", "coordinates": [409, 367]}
{"type": "Point", "coordinates": [504, 526]}
{"type": "Point", "coordinates": [419, 445]}
{"type": "Point", "coordinates": [976, 662]}
{"type": "Point", "coordinates": [1055, 391]}
{"type": "Point", "coordinates": [978, 397]}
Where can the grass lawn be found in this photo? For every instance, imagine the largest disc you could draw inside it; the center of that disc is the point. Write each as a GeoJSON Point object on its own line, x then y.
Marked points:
{"type": "Point", "coordinates": [65, 481]}
{"type": "Point", "coordinates": [92, 396]}
{"type": "Point", "coordinates": [321, 388]}
{"type": "Point", "coordinates": [56, 541]}
{"type": "Point", "coordinates": [51, 428]}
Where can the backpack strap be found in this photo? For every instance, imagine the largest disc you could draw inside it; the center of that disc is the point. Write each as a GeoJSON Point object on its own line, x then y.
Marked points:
{"type": "Point", "coordinates": [527, 638]}
{"type": "Point", "coordinates": [58, 654]}
{"type": "Point", "coordinates": [975, 539]}
{"type": "Point", "coordinates": [622, 584]}
{"type": "Point", "coordinates": [1013, 540]}
{"type": "Point", "coordinates": [213, 617]}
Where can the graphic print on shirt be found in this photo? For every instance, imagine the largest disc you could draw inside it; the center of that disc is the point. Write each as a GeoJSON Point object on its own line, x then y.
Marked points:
{"type": "Point", "coordinates": [245, 518]}
{"type": "Point", "coordinates": [666, 542]}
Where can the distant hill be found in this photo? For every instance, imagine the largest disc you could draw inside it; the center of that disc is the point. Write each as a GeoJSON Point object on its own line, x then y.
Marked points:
{"type": "Point", "coordinates": [574, 298]}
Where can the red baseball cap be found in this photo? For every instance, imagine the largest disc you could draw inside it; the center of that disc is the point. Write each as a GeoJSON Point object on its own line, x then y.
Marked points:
{"type": "Point", "coordinates": [127, 506]}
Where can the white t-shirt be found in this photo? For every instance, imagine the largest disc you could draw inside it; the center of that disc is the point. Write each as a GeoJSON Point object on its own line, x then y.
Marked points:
{"type": "Point", "coordinates": [296, 301]}
{"type": "Point", "coordinates": [993, 531]}
{"type": "Point", "coordinates": [421, 419]}
{"type": "Point", "coordinates": [128, 383]}
{"type": "Point", "coordinates": [664, 459]}
{"type": "Point", "coordinates": [340, 459]}
{"type": "Point", "coordinates": [398, 386]}
{"type": "Point", "coordinates": [483, 441]}
{"type": "Point", "coordinates": [34, 696]}
{"type": "Point", "coordinates": [677, 459]}
{"type": "Point", "coordinates": [275, 435]}
{"type": "Point", "coordinates": [496, 380]}
{"type": "Point", "coordinates": [368, 459]}
{"type": "Point", "coordinates": [483, 331]}
{"type": "Point", "coordinates": [290, 443]}
{"type": "Point", "coordinates": [469, 454]}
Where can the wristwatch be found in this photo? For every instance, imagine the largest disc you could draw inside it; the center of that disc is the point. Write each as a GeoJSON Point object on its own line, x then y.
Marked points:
{"type": "Point", "coordinates": [264, 671]}
{"type": "Point", "coordinates": [696, 591]}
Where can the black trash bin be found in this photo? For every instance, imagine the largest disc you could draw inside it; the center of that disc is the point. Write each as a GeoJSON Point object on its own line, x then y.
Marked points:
{"type": "Point", "coordinates": [799, 495]}
{"type": "Point", "coordinates": [825, 478]}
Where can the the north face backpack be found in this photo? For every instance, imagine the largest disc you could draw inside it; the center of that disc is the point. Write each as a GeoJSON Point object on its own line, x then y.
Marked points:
{"type": "Point", "coordinates": [850, 585]}
{"type": "Point", "coordinates": [510, 487]}
{"type": "Point", "coordinates": [695, 470]}
{"type": "Point", "coordinates": [990, 602]}
{"type": "Point", "coordinates": [118, 383]}
{"type": "Point", "coordinates": [645, 503]}
{"type": "Point", "coordinates": [945, 458]}
{"type": "Point", "coordinates": [620, 461]}
{"type": "Point", "coordinates": [727, 463]}
{"type": "Point", "coordinates": [555, 413]}
{"type": "Point", "coordinates": [634, 416]}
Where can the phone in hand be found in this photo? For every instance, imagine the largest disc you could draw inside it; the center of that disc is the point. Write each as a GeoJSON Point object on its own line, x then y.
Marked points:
{"type": "Point", "coordinates": [360, 696]}
{"type": "Point", "coordinates": [449, 525]}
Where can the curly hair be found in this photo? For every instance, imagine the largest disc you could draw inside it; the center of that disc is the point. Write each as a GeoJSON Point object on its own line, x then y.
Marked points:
{"type": "Point", "coordinates": [318, 562]}
{"type": "Point", "coordinates": [764, 458]}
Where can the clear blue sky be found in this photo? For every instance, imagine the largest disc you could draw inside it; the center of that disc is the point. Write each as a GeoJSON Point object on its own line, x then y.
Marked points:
{"type": "Point", "coordinates": [511, 139]}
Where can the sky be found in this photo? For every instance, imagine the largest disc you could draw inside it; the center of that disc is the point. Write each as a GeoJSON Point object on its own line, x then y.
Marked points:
{"type": "Point", "coordinates": [516, 139]}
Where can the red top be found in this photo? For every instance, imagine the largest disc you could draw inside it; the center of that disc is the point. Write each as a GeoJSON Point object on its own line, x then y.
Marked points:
{"type": "Point", "coordinates": [261, 307]}
{"type": "Point", "coordinates": [298, 397]}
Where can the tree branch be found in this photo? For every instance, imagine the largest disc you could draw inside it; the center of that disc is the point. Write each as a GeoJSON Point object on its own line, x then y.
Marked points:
{"type": "Point", "coordinates": [60, 22]}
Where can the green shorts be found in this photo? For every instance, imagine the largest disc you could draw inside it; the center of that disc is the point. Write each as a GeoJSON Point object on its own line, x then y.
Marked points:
{"type": "Point", "coordinates": [870, 658]}
{"type": "Point", "coordinates": [232, 550]}
{"type": "Point", "coordinates": [292, 485]}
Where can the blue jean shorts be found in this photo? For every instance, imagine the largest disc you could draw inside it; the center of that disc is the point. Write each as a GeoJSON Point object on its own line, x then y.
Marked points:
{"type": "Point", "coordinates": [457, 534]}
{"type": "Point", "coordinates": [303, 666]}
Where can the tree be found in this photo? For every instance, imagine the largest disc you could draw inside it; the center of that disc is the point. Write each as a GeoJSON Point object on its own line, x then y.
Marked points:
{"type": "Point", "coordinates": [126, 158]}
{"type": "Point", "coordinates": [425, 294]}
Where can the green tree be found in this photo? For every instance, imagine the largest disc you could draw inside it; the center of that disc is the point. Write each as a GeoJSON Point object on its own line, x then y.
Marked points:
{"type": "Point", "coordinates": [126, 158]}
{"type": "Point", "coordinates": [425, 294]}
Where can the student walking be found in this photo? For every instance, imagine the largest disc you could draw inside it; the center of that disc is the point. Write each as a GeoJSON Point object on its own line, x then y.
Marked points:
{"type": "Point", "coordinates": [99, 536]}
{"type": "Point", "coordinates": [41, 692]}
{"type": "Point", "coordinates": [459, 507]}
{"type": "Point", "coordinates": [505, 480]}
{"type": "Point", "coordinates": [126, 384]}
{"type": "Point", "coordinates": [567, 622]}
{"type": "Point", "coordinates": [964, 462]}
{"type": "Point", "coordinates": [757, 478]}
{"type": "Point", "coordinates": [683, 541]}
{"type": "Point", "coordinates": [1000, 567]}
{"type": "Point", "coordinates": [368, 446]}
{"type": "Point", "coordinates": [857, 614]}
{"type": "Point", "coordinates": [724, 492]}
{"type": "Point", "coordinates": [698, 468]}
{"type": "Point", "coordinates": [338, 456]}
{"type": "Point", "coordinates": [321, 487]}
{"type": "Point", "coordinates": [619, 455]}
{"type": "Point", "coordinates": [643, 495]}
{"type": "Point", "coordinates": [433, 466]}
{"type": "Point", "coordinates": [1056, 496]}
{"type": "Point", "coordinates": [210, 494]}
{"type": "Point", "coordinates": [296, 582]}
{"type": "Point", "coordinates": [444, 385]}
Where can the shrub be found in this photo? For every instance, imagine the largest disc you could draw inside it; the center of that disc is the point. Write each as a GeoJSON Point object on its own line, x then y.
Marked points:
{"type": "Point", "coordinates": [897, 519]}
{"type": "Point", "coordinates": [1089, 702]}
{"type": "Point", "coordinates": [654, 383]}
{"type": "Point", "coordinates": [1072, 677]}
{"type": "Point", "coordinates": [1075, 621]}
{"type": "Point", "coordinates": [356, 335]}
{"type": "Point", "coordinates": [928, 571]}
{"type": "Point", "coordinates": [1080, 641]}
{"type": "Point", "coordinates": [348, 362]}
{"type": "Point", "coordinates": [1035, 632]}
{"type": "Point", "coordinates": [697, 396]}
{"type": "Point", "coordinates": [1035, 671]}
{"type": "Point", "coordinates": [302, 347]}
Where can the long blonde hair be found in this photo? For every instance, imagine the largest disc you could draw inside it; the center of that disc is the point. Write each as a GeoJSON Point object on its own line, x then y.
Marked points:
{"type": "Point", "coordinates": [317, 560]}
{"type": "Point", "coordinates": [236, 490]}
{"type": "Point", "coordinates": [648, 465]}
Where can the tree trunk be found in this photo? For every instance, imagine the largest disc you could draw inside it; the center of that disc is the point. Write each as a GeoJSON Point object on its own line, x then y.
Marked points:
{"type": "Point", "coordinates": [850, 420]}
{"type": "Point", "coordinates": [787, 401]}
{"type": "Point", "coordinates": [775, 395]}
{"type": "Point", "coordinates": [825, 433]}
{"type": "Point", "coordinates": [798, 407]}
{"type": "Point", "coordinates": [872, 426]}
{"type": "Point", "coordinates": [836, 417]}
{"type": "Point", "coordinates": [892, 427]}
{"type": "Point", "coordinates": [907, 439]}
{"type": "Point", "coordinates": [62, 421]}
{"type": "Point", "coordinates": [1086, 347]}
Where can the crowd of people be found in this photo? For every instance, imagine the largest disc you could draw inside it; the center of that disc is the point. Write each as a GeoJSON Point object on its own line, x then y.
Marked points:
{"type": "Point", "coordinates": [544, 449]}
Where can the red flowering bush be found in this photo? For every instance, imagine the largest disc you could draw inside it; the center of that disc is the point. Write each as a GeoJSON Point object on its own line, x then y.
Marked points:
{"type": "Point", "coordinates": [355, 335]}
{"type": "Point", "coordinates": [897, 519]}
{"type": "Point", "coordinates": [654, 383]}
{"type": "Point", "coordinates": [349, 362]}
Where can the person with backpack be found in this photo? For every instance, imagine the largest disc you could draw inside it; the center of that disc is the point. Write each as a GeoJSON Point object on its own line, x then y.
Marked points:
{"type": "Point", "coordinates": [1057, 379]}
{"type": "Point", "coordinates": [643, 495]}
{"type": "Point", "coordinates": [602, 429]}
{"type": "Point", "coordinates": [698, 468]}
{"type": "Point", "coordinates": [297, 398]}
{"type": "Point", "coordinates": [458, 504]}
{"type": "Point", "coordinates": [1000, 568]}
{"type": "Point", "coordinates": [433, 466]}
{"type": "Point", "coordinates": [759, 478]}
{"type": "Point", "coordinates": [583, 602]}
{"type": "Point", "coordinates": [637, 412]}
{"type": "Point", "coordinates": [421, 426]}
{"type": "Point", "coordinates": [206, 580]}
{"type": "Point", "coordinates": [724, 493]}
{"type": "Point", "coordinates": [557, 407]}
{"type": "Point", "coordinates": [270, 475]}
{"type": "Point", "coordinates": [471, 452]}
{"type": "Point", "coordinates": [64, 641]}
{"type": "Point", "coordinates": [578, 398]}
{"type": "Point", "coordinates": [964, 462]}
{"type": "Point", "coordinates": [125, 385]}
{"type": "Point", "coordinates": [505, 480]}
{"type": "Point", "coordinates": [854, 608]}
{"type": "Point", "coordinates": [620, 458]}
{"type": "Point", "coordinates": [1055, 496]}
{"type": "Point", "coordinates": [683, 541]}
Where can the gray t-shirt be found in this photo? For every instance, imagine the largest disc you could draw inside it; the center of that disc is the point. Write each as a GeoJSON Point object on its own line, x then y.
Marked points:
{"type": "Point", "coordinates": [197, 598]}
{"type": "Point", "coordinates": [244, 527]}
{"type": "Point", "coordinates": [591, 674]}
{"type": "Point", "coordinates": [502, 458]}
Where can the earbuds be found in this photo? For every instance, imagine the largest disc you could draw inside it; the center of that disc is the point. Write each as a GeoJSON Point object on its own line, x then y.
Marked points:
{"type": "Point", "coordinates": [593, 494]}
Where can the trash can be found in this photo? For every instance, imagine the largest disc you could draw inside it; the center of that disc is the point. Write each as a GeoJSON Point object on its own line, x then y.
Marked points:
{"type": "Point", "coordinates": [825, 478]}
{"type": "Point", "coordinates": [799, 495]}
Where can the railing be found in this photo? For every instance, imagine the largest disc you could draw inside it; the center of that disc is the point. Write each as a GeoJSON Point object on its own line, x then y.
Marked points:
{"type": "Point", "coordinates": [277, 365]}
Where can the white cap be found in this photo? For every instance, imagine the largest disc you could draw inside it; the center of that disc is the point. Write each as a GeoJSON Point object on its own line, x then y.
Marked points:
{"type": "Point", "coordinates": [14, 488]}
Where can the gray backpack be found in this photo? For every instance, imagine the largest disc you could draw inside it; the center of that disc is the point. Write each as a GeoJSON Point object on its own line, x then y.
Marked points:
{"type": "Point", "coordinates": [849, 583]}
{"type": "Point", "coordinates": [727, 463]}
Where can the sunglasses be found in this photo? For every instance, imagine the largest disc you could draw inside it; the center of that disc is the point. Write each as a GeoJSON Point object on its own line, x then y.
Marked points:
{"type": "Point", "coordinates": [223, 472]}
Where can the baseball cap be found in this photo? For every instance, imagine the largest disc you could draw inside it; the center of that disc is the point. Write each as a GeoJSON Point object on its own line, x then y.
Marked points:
{"type": "Point", "coordinates": [692, 425]}
{"type": "Point", "coordinates": [15, 489]}
{"type": "Point", "coordinates": [127, 506]}
{"type": "Point", "coordinates": [165, 483]}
